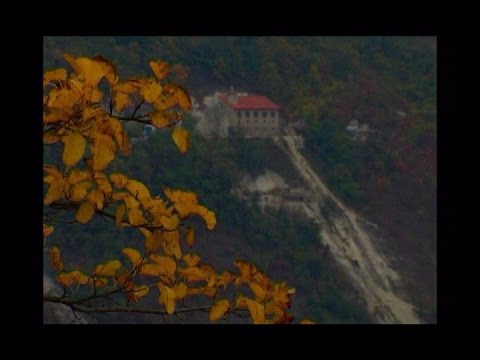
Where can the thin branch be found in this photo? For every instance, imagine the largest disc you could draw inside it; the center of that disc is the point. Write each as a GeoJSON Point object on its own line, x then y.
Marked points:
{"type": "Point", "coordinates": [80, 300]}
{"type": "Point", "coordinates": [78, 306]}
{"type": "Point", "coordinates": [135, 310]}
{"type": "Point", "coordinates": [136, 108]}
{"type": "Point", "coordinates": [142, 121]}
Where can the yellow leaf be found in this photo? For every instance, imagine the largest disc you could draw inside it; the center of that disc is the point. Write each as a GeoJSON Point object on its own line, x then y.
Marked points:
{"type": "Point", "coordinates": [78, 193]}
{"type": "Point", "coordinates": [165, 102]}
{"type": "Point", "coordinates": [259, 292]}
{"type": "Point", "coordinates": [181, 138]}
{"type": "Point", "coordinates": [205, 290]}
{"type": "Point", "coordinates": [91, 112]}
{"type": "Point", "coordinates": [127, 87]}
{"type": "Point", "coordinates": [281, 294]}
{"type": "Point", "coordinates": [96, 198]}
{"type": "Point", "coordinates": [79, 278]}
{"type": "Point", "coordinates": [52, 170]}
{"type": "Point", "coordinates": [179, 196]}
{"type": "Point", "coordinates": [120, 136]}
{"type": "Point", "coordinates": [74, 148]}
{"type": "Point", "coordinates": [87, 185]}
{"type": "Point", "coordinates": [138, 291]}
{"type": "Point", "coordinates": [183, 99]}
{"type": "Point", "coordinates": [160, 68]}
{"type": "Point", "coordinates": [166, 263]}
{"type": "Point", "coordinates": [181, 290]}
{"type": "Point", "coordinates": [257, 311]}
{"type": "Point", "coordinates": [171, 244]}
{"type": "Point", "coordinates": [158, 209]}
{"type": "Point", "coordinates": [184, 209]}
{"type": "Point", "coordinates": [50, 138]}
{"type": "Point", "coordinates": [47, 230]}
{"type": "Point", "coordinates": [108, 269]}
{"type": "Point", "coordinates": [95, 96]}
{"type": "Point", "coordinates": [102, 181]}
{"type": "Point", "coordinates": [56, 191]}
{"type": "Point", "coordinates": [130, 201]}
{"type": "Point", "coordinates": [190, 237]}
{"type": "Point", "coordinates": [151, 270]}
{"type": "Point", "coordinates": [63, 99]}
{"type": "Point", "coordinates": [48, 179]}
{"type": "Point", "coordinates": [85, 213]}
{"type": "Point", "coordinates": [103, 151]}
{"type": "Point", "coordinates": [191, 260]}
{"type": "Point", "coordinates": [55, 260]}
{"type": "Point", "coordinates": [121, 101]}
{"type": "Point", "coordinates": [249, 272]}
{"type": "Point", "coordinates": [167, 297]}
{"type": "Point", "coordinates": [209, 274]}
{"type": "Point", "coordinates": [135, 217]}
{"type": "Point", "coordinates": [139, 191]}
{"type": "Point", "coordinates": [169, 223]}
{"type": "Point", "coordinates": [87, 70]}
{"type": "Point", "coordinates": [120, 214]}
{"type": "Point", "coordinates": [154, 242]}
{"type": "Point", "coordinates": [108, 68]}
{"type": "Point", "coordinates": [150, 90]}
{"type": "Point", "coordinates": [307, 322]}
{"type": "Point", "coordinates": [54, 75]}
{"type": "Point", "coordinates": [133, 255]}
{"type": "Point", "coordinates": [260, 278]}
{"type": "Point", "coordinates": [159, 120]}
{"type": "Point", "coordinates": [119, 180]}
{"type": "Point", "coordinates": [219, 309]}
{"type": "Point", "coordinates": [56, 115]}
{"type": "Point", "coordinates": [207, 215]}
{"type": "Point", "coordinates": [77, 176]}
{"type": "Point", "coordinates": [65, 279]}
{"type": "Point", "coordinates": [226, 278]}
{"type": "Point", "coordinates": [192, 274]}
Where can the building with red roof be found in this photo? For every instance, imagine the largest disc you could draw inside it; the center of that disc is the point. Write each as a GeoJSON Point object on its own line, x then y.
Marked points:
{"type": "Point", "coordinates": [254, 115]}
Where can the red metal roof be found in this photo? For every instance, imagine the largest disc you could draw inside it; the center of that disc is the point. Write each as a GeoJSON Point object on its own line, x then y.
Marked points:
{"type": "Point", "coordinates": [251, 102]}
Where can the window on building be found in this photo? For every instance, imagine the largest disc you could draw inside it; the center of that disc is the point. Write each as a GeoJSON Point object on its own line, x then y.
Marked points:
{"type": "Point", "coordinates": [255, 113]}
{"type": "Point", "coordinates": [264, 114]}
{"type": "Point", "coordinates": [248, 113]}
{"type": "Point", "coordinates": [239, 114]}
{"type": "Point", "coordinates": [272, 113]}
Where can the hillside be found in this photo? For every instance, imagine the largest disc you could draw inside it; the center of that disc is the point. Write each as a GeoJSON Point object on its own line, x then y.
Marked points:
{"type": "Point", "coordinates": [325, 82]}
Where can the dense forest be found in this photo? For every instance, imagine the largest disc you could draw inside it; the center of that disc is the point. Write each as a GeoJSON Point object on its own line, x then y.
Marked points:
{"type": "Point", "coordinates": [323, 82]}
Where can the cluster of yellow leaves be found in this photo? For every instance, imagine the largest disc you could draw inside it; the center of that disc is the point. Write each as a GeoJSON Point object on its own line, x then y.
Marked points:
{"type": "Point", "coordinates": [73, 112]}
{"type": "Point", "coordinates": [178, 278]}
{"type": "Point", "coordinates": [74, 116]}
{"type": "Point", "coordinates": [93, 191]}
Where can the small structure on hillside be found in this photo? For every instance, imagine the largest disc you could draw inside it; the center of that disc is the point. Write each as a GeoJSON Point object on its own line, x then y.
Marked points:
{"type": "Point", "coordinates": [358, 132]}
{"type": "Point", "coordinates": [252, 115]}
{"type": "Point", "coordinates": [272, 193]}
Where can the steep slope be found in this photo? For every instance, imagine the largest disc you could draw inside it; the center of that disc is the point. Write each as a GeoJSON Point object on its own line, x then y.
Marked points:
{"type": "Point", "coordinates": [353, 247]}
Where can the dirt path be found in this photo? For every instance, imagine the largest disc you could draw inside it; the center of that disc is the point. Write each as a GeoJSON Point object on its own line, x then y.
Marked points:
{"type": "Point", "coordinates": [353, 247]}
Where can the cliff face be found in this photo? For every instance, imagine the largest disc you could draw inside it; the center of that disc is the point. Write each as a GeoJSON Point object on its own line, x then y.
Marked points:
{"type": "Point", "coordinates": [59, 313]}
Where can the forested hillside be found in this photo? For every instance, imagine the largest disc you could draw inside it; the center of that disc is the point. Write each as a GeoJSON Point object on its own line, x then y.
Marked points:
{"type": "Point", "coordinates": [388, 83]}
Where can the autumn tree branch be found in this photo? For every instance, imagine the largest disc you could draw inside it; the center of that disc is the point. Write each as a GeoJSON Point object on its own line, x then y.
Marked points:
{"type": "Point", "coordinates": [78, 305]}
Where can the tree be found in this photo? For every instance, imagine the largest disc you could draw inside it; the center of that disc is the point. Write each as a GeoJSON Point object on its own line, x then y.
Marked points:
{"type": "Point", "coordinates": [90, 132]}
